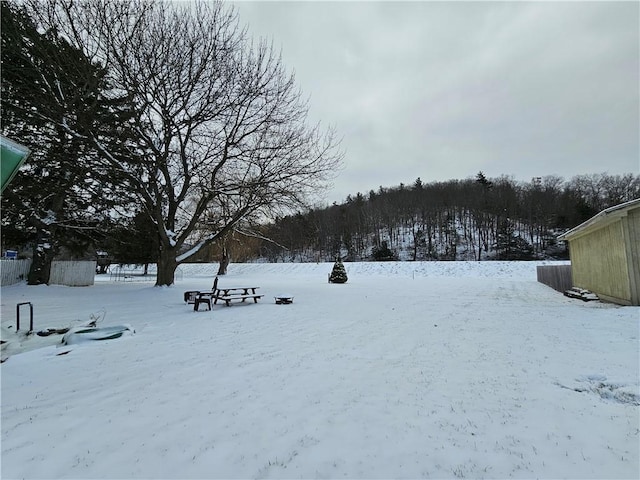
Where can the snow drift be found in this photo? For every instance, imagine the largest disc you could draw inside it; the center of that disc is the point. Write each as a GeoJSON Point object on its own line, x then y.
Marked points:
{"type": "Point", "coordinates": [455, 370]}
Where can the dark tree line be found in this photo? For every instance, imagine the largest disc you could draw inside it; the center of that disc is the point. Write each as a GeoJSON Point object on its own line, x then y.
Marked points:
{"type": "Point", "coordinates": [472, 219]}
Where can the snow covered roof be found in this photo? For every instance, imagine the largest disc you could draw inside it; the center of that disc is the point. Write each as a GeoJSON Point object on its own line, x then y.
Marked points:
{"type": "Point", "coordinates": [601, 219]}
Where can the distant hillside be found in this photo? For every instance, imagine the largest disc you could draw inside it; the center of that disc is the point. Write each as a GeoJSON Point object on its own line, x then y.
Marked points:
{"type": "Point", "coordinates": [472, 219]}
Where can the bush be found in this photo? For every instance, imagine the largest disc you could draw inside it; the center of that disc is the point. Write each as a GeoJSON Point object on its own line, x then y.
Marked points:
{"type": "Point", "coordinates": [383, 253]}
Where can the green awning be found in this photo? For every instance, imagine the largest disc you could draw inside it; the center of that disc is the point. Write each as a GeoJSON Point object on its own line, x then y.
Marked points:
{"type": "Point", "coordinates": [12, 155]}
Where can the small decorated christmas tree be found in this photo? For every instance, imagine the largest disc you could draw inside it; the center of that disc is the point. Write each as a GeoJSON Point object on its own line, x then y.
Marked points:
{"type": "Point", "coordinates": [338, 274]}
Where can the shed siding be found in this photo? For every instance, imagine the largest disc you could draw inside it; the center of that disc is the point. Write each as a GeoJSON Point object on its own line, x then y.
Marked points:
{"type": "Point", "coordinates": [633, 244]}
{"type": "Point", "coordinates": [599, 262]}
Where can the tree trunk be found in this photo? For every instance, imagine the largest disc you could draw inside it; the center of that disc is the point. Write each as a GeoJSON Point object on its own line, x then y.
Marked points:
{"type": "Point", "coordinates": [102, 267]}
{"type": "Point", "coordinates": [166, 266]}
{"type": "Point", "coordinates": [43, 253]}
{"type": "Point", "coordinates": [224, 262]}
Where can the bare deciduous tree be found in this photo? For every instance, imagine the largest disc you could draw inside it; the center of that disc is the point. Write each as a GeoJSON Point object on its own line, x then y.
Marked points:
{"type": "Point", "coordinates": [221, 128]}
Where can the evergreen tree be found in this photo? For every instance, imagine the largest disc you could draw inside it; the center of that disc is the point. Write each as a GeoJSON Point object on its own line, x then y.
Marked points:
{"type": "Point", "coordinates": [61, 195]}
{"type": "Point", "coordinates": [338, 274]}
{"type": "Point", "coordinates": [509, 245]}
{"type": "Point", "coordinates": [383, 253]}
{"type": "Point", "coordinates": [134, 244]}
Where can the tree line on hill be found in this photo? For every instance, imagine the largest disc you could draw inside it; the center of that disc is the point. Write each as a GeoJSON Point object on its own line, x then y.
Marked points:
{"type": "Point", "coordinates": [472, 219]}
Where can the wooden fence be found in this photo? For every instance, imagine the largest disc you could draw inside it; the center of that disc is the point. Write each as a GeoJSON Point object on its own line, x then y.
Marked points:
{"type": "Point", "coordinates": [69, 273]}
{"type": "Point", "coordinates": [557, 277]}
{"type": "Point", "coordinates": [73, 273]}
{"type": "Point", "coordinates": [14, 271]}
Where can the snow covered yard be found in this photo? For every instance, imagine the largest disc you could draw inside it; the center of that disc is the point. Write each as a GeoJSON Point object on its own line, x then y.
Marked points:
{"type": "Point", "coordinates": [435, 370]}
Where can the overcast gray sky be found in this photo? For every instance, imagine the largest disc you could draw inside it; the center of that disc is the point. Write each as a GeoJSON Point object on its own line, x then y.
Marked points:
{"type": "Point", "coordinates": [442, 90]}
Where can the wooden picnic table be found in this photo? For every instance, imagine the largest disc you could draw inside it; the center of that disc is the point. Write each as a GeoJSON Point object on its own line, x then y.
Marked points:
{"type": "Point", "coordinates": [235, 290]}
{"type": "Point", "coordinates": [236, 293]}
{"type": "Point", "coordinates": [226, 295]}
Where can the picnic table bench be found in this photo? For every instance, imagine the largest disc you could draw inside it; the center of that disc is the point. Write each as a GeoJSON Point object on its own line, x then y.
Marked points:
{"type": "Point", "coordinates": [226, 295]}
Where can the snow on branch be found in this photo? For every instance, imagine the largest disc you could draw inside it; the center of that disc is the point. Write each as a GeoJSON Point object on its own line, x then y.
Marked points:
{"type": "Point", "coordinates": [196, 248]}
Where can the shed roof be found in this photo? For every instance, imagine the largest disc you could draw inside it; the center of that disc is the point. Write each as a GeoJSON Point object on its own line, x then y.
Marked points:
{"type": "Point", "coordinates": [602, 219]}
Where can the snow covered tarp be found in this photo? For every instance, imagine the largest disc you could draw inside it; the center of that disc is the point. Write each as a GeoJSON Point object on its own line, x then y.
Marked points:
{"type": "Point", "coordinates": [92, 334]}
